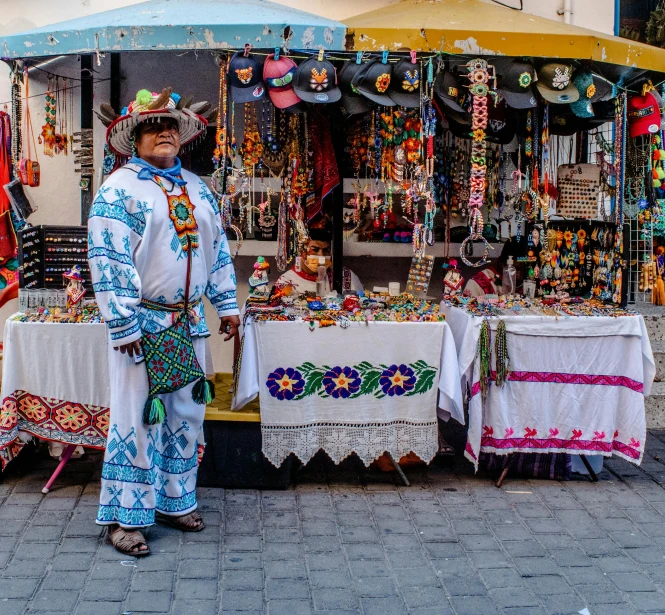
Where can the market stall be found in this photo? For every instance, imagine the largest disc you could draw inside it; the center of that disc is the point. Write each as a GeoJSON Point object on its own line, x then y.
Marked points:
{"type": "Point", "coordinates": [499, 177]}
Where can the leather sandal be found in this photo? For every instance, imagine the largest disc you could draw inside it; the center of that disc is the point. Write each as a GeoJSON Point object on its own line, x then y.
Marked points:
{"type": "Point", "coordinates": [191, 522]}
{"type": "Point", "coordinates": [129, 542]}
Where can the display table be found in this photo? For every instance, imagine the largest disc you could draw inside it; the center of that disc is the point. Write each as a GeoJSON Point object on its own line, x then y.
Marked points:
{"type": "Point", "coordinates": [55, 385]}
{"type": "Point", "coordinates": [368, 389]}
{"type": "Point", "coordinates": [577, 385]}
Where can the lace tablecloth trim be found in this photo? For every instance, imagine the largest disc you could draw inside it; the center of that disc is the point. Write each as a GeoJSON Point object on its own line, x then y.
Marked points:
{"type": "Point", "coordinates": [368, 440]}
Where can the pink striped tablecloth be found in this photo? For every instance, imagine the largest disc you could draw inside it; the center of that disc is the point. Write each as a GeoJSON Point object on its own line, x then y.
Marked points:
{"type": "Point", "coordinates": [576, 385]}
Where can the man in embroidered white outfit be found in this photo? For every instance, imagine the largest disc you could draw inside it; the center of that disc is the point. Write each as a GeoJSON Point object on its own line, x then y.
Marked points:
{"type": "Point", "coordinates": [138, 242]}
{"type": "Point", "coordinates": [304, 281]}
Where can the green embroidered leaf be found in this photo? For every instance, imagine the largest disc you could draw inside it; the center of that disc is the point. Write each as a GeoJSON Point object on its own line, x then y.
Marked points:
{"type": "Point", "coordinates": [424, 382]}
{"type": "Point", "coordinates": [11, 264]}
{"type": "Point", "coordinates": [370, 382]}
{"type": "Point", "coordinates": [306, 367]}
{"type": "Point", "coordinates": [312, 383]}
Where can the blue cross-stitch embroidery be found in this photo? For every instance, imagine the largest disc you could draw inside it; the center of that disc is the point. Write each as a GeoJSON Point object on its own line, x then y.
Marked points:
{"type": "Point", "coordinates": [174, 441]}
{"type": "Point", "coordinates": [115, 492]}
{"type": "Point", "coordinates": [107, 237]}
{"type": "Point", "coordinates": [138, 497]}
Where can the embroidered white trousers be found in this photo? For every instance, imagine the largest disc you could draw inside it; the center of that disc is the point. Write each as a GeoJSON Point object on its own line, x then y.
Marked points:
{"type": "Point", "coordinates": [149, 468]}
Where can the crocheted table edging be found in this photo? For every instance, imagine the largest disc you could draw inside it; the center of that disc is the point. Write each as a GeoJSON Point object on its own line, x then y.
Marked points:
{"type": "Point", "coordinates": [339, 440]}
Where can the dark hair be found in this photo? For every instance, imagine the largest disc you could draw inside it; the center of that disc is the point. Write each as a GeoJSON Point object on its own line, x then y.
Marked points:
{"type": "Point", "coordinates": [320, 234]}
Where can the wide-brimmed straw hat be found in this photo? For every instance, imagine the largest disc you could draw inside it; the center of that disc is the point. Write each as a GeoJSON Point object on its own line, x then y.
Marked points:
{"type": "Point", "coordinates": [153, 107]}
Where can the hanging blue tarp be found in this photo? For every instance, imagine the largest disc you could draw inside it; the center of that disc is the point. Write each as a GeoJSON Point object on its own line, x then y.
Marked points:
{"type": "Point", "coordinates": [180, 24]}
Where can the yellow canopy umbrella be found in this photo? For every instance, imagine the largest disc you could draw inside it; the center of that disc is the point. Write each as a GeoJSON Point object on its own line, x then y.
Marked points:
{"type": "Point", "coordinates": [473, 27]}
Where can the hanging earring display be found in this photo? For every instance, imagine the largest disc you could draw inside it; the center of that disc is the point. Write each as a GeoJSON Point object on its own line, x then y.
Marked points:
{"type": "Point", "coordinates": [221, 134]}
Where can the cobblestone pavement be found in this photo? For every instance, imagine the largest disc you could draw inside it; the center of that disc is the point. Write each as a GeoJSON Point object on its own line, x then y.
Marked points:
{"type": "Point", "coordinates": [346, 540]}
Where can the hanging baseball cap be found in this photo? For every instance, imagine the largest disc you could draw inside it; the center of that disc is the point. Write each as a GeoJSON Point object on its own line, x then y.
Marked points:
{"type": "Point", "coordinates": [591, 89]}
{"type": "Point", "coordinates": [500, 125]}
{"type": "Point", "coordinates": [405, 83]}
{"type": "Point", "coordinates": [555, 83]}
{"type": "Point", "coordinates": [245, 83]}
{"type": "Point", "coordinates": [315, 81]}
{"type": "Point", "coordinates": [278, 73]}
{"type": "Point", "coordinates": [644, 116]}
{"type": "Point", "coordinates": [516, 80]}
{"type": "Point", "coordinates": [373, 81]}
{"type": "Point", "coordinates": [447, 88]}
{"type": "Point", "coordinates": [352, 101]}
{"type": "Point", "coordinates": [661, 106]}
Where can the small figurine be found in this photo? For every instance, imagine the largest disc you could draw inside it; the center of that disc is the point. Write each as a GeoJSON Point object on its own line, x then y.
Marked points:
{"type": "Point", "coordinates": [453, 280]}
{"type": "Point", "coordinates": [258, 281]}
{"type": "Point", "coordinates": [75, 289]}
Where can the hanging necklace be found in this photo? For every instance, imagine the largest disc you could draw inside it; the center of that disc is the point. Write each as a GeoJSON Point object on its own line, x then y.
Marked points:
{"type": "Point", "coordinates": [181, 213]}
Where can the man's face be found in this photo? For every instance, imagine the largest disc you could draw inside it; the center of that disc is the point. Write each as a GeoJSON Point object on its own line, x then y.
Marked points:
{"type": "Point", "coordinates": [159, 140]}
{"type": "Point", "coordinates": [315, 249]}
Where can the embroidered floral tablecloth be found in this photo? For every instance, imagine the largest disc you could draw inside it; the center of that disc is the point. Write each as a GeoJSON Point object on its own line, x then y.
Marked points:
{"type": "Point", "coordinates": [55, 385]}
{"type": "Point", "coordinates": [367, 389]}
{"type": "Point", "coordinates": [576, 385]}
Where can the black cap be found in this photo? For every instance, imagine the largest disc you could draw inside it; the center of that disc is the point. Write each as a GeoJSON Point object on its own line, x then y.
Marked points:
{"type": "Point", "coordinates": [352, 101]}
{"type": "Point", "coordinates": [315, 81]}
{"type": "Point", "coordinates": [245, 78]}
{"type": "Point", "coordinates": [373, 82]}
{"type": "Point", "coordinates": [447, 88]}
{"type": "Point", "coordinates": [516, 79]}
{"type": "Point", "coordinates": [405, 84]}
{"type": "Point", "coordinates": [500, 124]}
{"type": "Point", "coordinates": [564, 122]}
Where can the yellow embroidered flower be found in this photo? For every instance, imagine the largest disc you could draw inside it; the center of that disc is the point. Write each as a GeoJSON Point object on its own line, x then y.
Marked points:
{"type": "Point", "coordinates": [478, 135]}
{"type": "Point", "coordinates": [382, 82]}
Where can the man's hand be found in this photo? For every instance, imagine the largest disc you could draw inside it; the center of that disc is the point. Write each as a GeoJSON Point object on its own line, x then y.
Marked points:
{"type": "Point", "coordinates": [229, 325]}
{"type": "Point", "coordinates": [131, 348]}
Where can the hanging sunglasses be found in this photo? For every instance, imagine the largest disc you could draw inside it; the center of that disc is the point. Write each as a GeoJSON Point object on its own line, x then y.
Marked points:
{"type": "Point", "coordinates": [280, 82]}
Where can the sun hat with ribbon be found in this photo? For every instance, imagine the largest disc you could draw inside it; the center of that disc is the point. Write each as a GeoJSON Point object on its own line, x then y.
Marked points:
{"type": "Point", "coordinates": [150, 106]}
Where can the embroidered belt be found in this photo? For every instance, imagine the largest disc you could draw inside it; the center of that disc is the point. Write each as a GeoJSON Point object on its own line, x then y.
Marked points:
{"type": "Point", "coordinates": [175, 308]}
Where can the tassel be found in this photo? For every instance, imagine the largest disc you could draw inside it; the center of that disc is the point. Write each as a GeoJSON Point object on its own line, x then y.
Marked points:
{"type": "Point", "coordinates": [501, 351]}
{"type": "Point", "coordinates": [203, 391]}
{"type": "Point", "coordinates": [154, 412]}
{"type": "Point", "coordinates": [485, 352]}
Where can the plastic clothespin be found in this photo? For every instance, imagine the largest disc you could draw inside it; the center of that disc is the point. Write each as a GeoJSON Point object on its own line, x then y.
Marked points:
{"type": "Point", "coordinates": [247, 48]}
{"type": "Point", "coordinates": [414, 55]}
{"type": "Point", "coordinates": [320, 55]}
{"type": "Point", "coordinates": [276, 54]}
{"type": "Point", "coordinates": [359, 57]}
{"type": "Point", "coordinates": [384, 57]}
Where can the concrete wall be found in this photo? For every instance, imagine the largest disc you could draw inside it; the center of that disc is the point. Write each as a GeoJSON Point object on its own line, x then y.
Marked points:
{"type": "Point", "coordinates": [58, 198]}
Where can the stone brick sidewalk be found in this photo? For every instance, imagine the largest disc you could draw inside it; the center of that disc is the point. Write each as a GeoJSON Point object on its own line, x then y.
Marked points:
{"type": "Point", "coordinates": [347, 541]}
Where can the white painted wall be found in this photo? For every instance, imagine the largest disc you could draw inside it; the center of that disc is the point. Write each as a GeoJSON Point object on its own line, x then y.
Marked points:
{"type": "Point", "coordinates": [58, 198]}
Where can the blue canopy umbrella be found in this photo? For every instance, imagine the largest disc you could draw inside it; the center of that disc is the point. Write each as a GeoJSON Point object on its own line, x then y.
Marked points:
{"type": "Point", "coordinates": [161, 25]}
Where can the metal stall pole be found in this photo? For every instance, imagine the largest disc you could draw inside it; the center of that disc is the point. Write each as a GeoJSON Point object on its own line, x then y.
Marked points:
{"type": "Point", "coordinates": [86, 125]}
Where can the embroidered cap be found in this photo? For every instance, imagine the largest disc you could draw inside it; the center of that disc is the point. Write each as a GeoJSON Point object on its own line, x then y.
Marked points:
{"type": "Point", "coordinates": [352, 101]}
{"type": "Point", "coordinates": [555, 83]}
{"type": "Point", "coordinates": [245, 82]}
{"type": "Point", "coordinates": [591, 89]}
{"type": "Point", "coordinates": [405, 84]}
{"type": "Point", "coordinates": [373, 82]}
{"type": "Point", "coordinates": [315, 81]}
{"type": "Point", "coordinates": [516, 79]}
{"type": "Point", "coordinates": [643, 115]}
{"type": "Point", "coordinates": [449, 91]}
{"type": "Point", "coordinates": [278, 77]}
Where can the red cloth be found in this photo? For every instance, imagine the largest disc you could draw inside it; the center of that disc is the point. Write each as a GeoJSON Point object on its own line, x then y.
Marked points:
{"type": "Point", "coordinates": [326, 173]}
{"type": "Point", "coordinates": [8, 244]}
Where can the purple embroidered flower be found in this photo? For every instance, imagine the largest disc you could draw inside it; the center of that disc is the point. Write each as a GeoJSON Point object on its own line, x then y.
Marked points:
{"type": "Point", "coordinates": [285, 383]}
{"type": "Point", "coordinates": [397, 380]}
{"type": "Point", "coordinates": [341, 382]}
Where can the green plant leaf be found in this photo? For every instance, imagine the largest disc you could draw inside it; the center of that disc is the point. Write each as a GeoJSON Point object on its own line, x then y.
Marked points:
{"type": "Point", "coordinates": [370, 382]}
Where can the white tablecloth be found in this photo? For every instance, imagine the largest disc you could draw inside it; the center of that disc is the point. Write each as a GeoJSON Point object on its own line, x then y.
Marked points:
{"type": "Point", "coordinates": [577, 385]}
{"type": "Point", "coordinates": [368, 389]}
{"type": "Point", "coordinates": [55, 383]}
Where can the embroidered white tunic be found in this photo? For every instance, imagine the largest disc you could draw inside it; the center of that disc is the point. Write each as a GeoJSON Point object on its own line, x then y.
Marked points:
{"type": "Point", "coordinates": [135, 253]}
